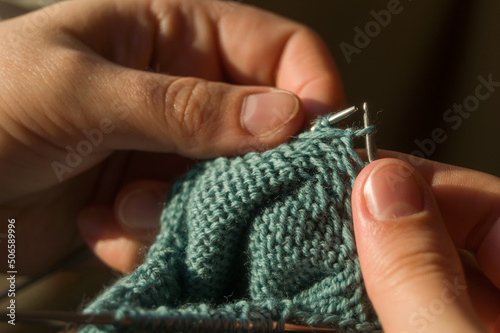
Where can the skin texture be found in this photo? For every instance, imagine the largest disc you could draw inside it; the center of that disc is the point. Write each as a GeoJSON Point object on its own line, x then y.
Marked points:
{"type": "Point", "coordinates": [164, 82]}
{"type": "Point", "coordinates": [159, 80]}
{"type": "Point", "coordinates": [408, 256]}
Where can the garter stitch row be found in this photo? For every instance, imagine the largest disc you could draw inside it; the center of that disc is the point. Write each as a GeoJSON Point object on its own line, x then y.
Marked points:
{"type": "Point", "coordinates": [254, 239]}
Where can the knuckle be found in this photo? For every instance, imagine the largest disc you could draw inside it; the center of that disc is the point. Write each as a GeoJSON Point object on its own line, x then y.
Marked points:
{"type": "Point", "coordinates": [426, 264]}
{"type": "Point", "coordinates": [303, 32]}
{"type": "Point", "coordinates": [403, 267]}
{"type": "Point", "coordinates": [190, 108]}
{"type": "Point", "coordinates": [310, 33]}
{"type": "Point", "coordinates": [301, 28]}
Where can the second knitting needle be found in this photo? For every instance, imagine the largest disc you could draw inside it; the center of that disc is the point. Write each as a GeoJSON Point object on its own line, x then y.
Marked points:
{"type": "Point", "coordinates": [371, 147]}
{"type": "Point", "coordinates": [62, 318]}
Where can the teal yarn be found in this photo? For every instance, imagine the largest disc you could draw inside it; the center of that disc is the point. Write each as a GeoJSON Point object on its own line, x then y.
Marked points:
{"type": "Point", "coordinates": [248, 241]}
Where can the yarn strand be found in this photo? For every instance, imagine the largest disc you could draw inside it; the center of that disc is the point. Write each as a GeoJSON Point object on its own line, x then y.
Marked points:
{"type": "Point", "coordinates": [250, 241]}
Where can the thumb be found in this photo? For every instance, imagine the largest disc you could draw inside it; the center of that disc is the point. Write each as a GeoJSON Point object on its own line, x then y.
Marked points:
{"type": "Point", "coordinates": [191, 116]}
{"type": "Point", "coordinates": [411, 269]}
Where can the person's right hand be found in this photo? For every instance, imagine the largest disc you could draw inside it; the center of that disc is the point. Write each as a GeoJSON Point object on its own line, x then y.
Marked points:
{"type": "Point", "coordinates": [408, 222]}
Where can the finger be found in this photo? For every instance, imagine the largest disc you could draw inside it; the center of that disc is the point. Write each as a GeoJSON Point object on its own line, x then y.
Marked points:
{"type": "Point", "coordinates": [129, 109]}
{"type": "Point", "coordinates": [116, 237]}
{"type": "Point", "coordinates": [484, 294]}
{"type": "Point", "coordinates": [214, 41]}
{"type": "Point", "coordinates": [469, 202]}
{"type": "Point", "coordinates": [138, 207]}
{"type": "Point", "coordinates": [115, 247]}
{"type": "Point", "coordinates": [411, 269]}
{"type": "Point", "coordinates": [291, 56]}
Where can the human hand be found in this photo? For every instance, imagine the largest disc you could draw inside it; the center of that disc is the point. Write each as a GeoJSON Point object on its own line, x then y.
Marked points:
{"type": "Point", "coordinates": [408, 223]}
{"type": "Point", "coordinates": [83, 124]}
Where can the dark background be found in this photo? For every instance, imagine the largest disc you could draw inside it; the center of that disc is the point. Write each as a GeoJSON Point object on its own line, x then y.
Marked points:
{"type": "Point", "coordinates": [424, 61]}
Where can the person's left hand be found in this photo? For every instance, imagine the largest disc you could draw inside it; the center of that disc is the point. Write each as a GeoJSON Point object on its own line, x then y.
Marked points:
{"type": "Point", "coordinates": [77, 104]}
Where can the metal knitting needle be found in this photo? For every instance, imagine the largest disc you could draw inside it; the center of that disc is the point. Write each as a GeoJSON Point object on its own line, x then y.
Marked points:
{"type": "Point", "coordinates": [339, 116]}
{"type": "Point", "coordinates": [371, 148]}
{"type": "Point", "coordinates": [62, 318]}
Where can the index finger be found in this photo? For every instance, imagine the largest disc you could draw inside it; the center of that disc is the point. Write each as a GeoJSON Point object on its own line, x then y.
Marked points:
{"type": "Point", "coordinates": [258, 47]}
{"type": "Point", "coordinates": [213, 40]}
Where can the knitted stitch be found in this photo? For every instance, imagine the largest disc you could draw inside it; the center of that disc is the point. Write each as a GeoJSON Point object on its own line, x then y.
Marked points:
{"type": "Point", "coordinates": [264, 237]}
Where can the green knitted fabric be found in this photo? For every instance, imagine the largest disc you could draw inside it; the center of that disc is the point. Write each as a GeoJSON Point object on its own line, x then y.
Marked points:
{"type": "Point", "coordinates": [249, 240]}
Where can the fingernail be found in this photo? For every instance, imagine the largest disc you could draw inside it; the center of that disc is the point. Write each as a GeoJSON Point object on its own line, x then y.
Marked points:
{"type": "Point", "coordinates": [392, 191]}
{"type": "Point", "coordinates": [141, 209]}
{"type": "Point", "coordinates": [264, 114]}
